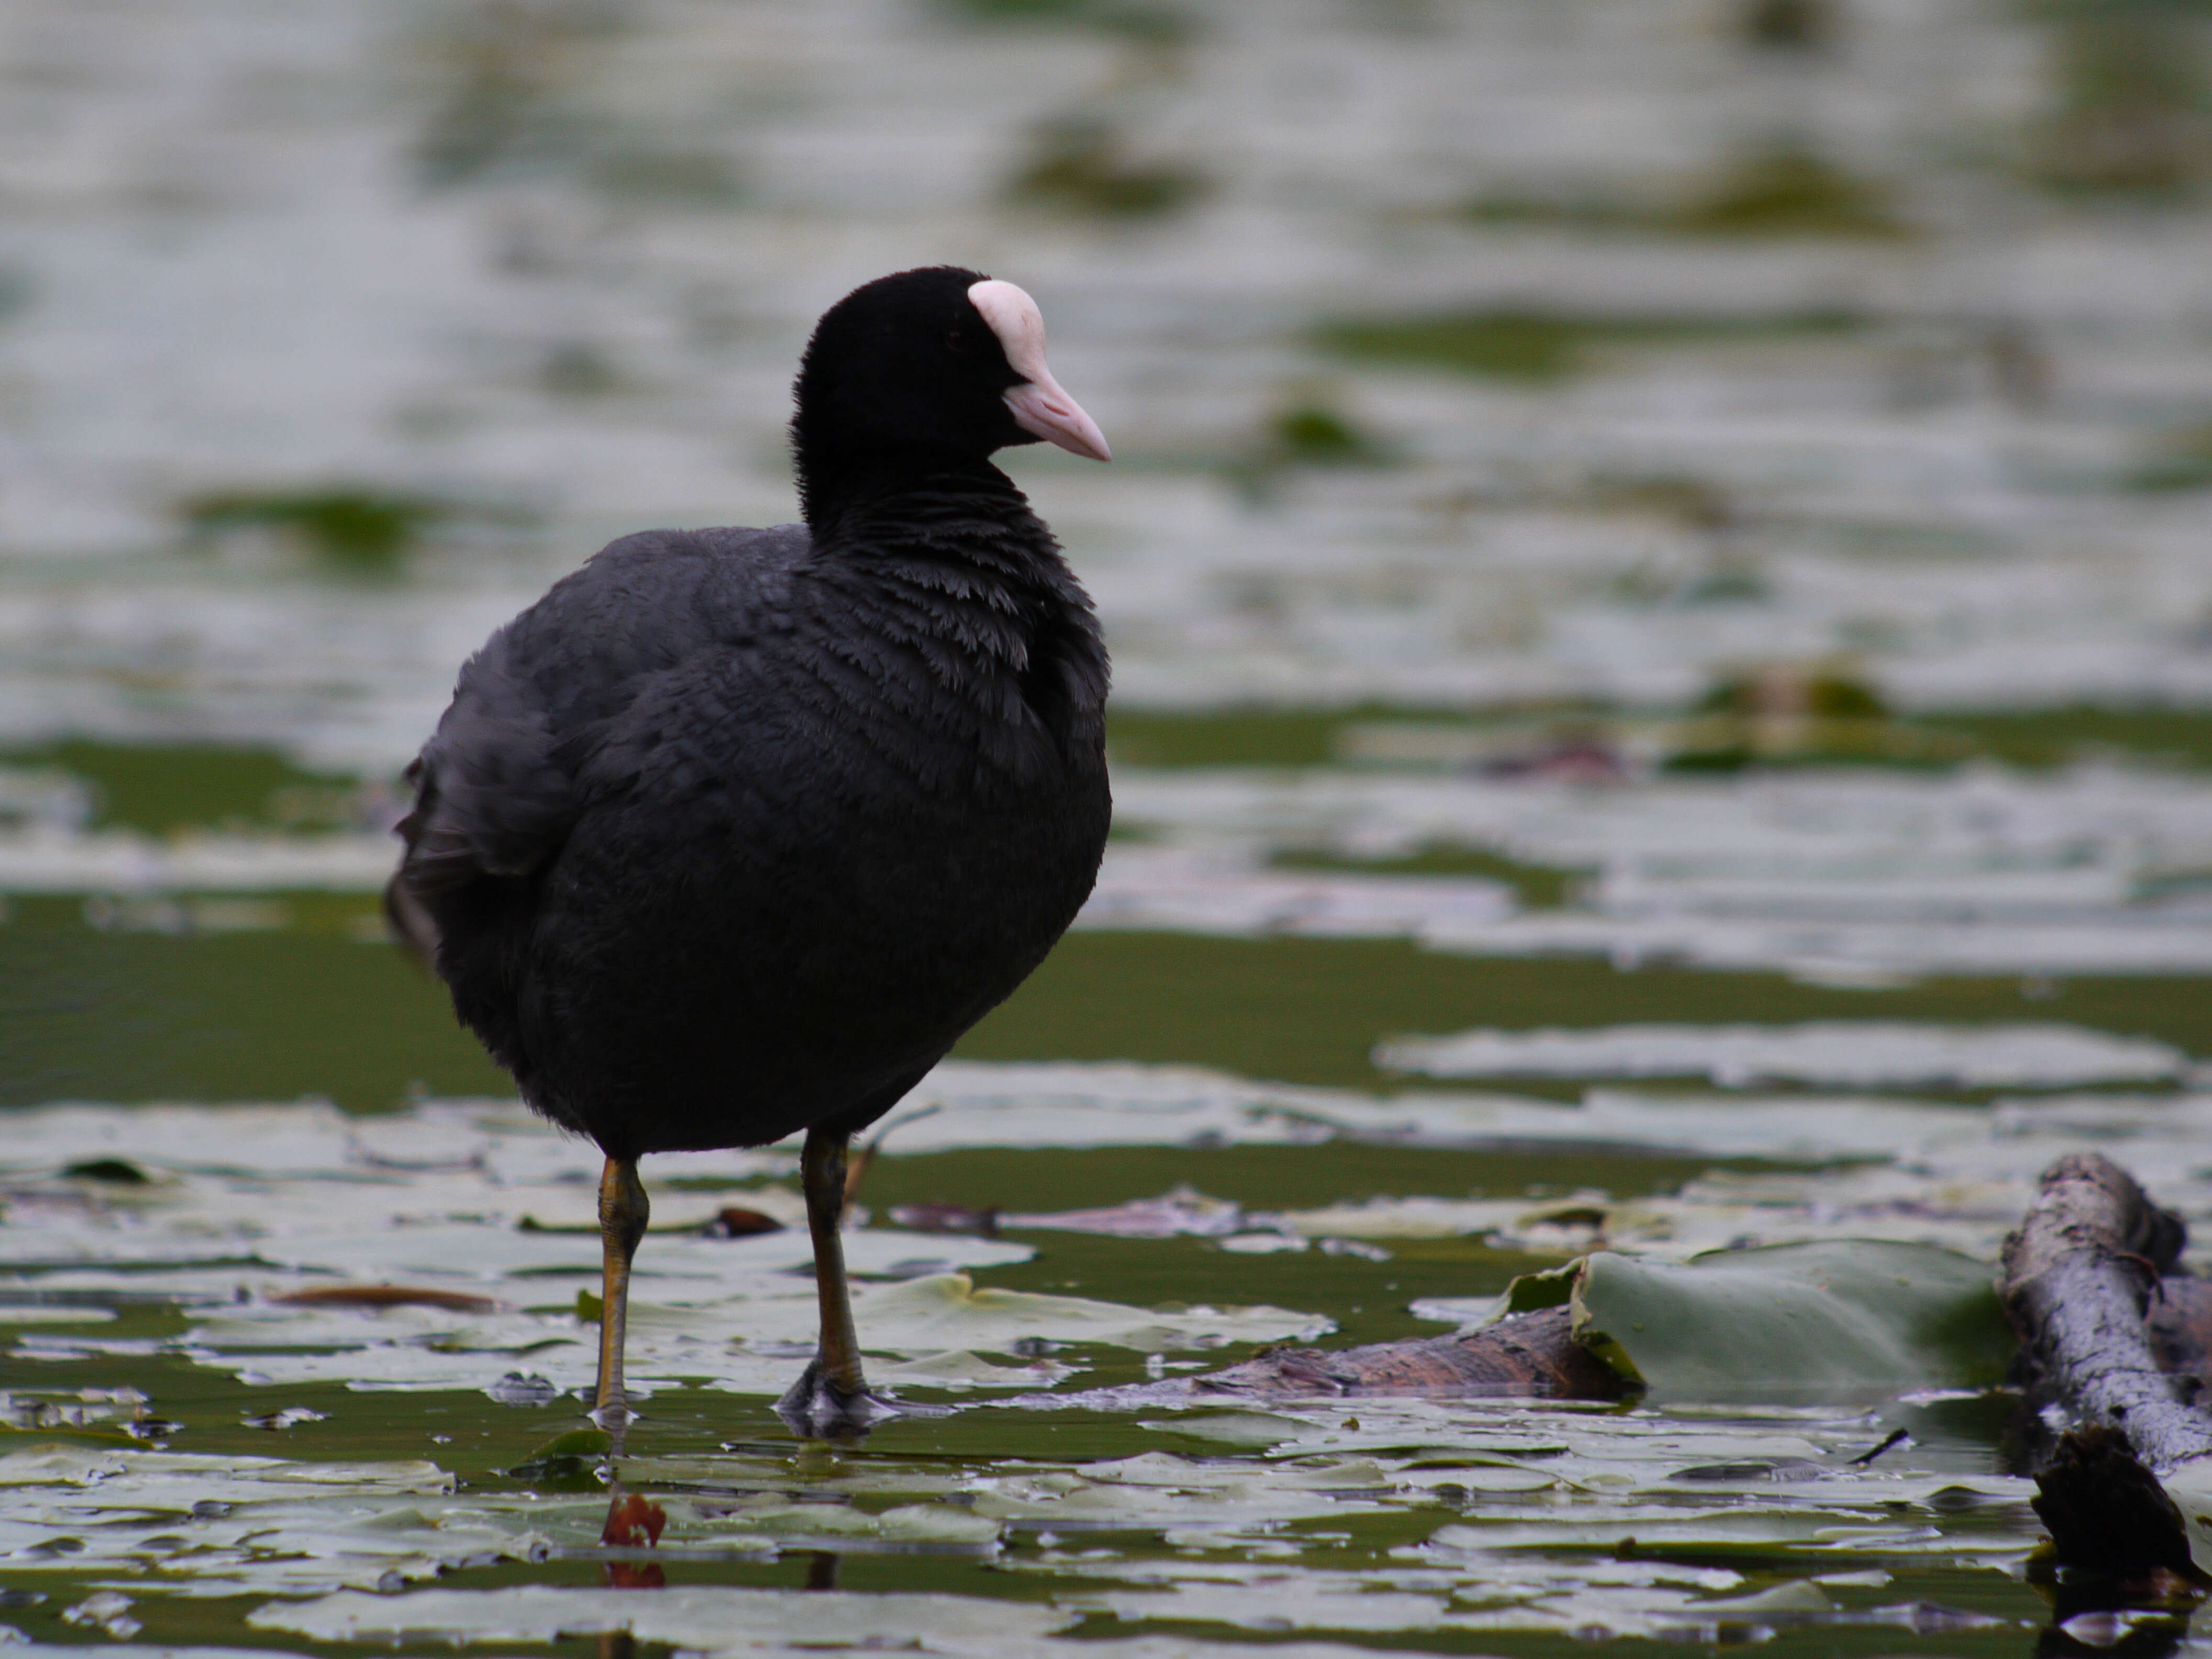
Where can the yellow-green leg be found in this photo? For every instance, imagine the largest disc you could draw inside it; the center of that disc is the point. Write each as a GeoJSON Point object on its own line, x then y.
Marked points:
{"type": "Point", "coordinates": [622, 1213]}
{"type": "Point", "coordinates": [830, 1400]}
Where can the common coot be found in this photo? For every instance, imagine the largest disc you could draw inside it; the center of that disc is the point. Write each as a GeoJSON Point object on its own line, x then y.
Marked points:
{"type": "Point", "coordinates": [735, 832]}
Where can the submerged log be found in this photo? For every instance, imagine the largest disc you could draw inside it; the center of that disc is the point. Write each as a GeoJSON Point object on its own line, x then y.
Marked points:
{"type": "Point", "coordinates": [2114, 1343]}
{"type": "Point", "coordinates": [1530, 1354]}
{"type": "Point", "coordinates": [2077, 1283]}
{"type": "Point", "coordinates": [2105, 1333]}
{"type": "Point", "coordinates": [2181, 1330]}
{"type": "Point", "coordinates": [2106, 1514]}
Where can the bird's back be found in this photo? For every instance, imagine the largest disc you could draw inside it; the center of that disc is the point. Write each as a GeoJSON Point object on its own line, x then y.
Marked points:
{"type": "Point", "coordinates": [733, 833]}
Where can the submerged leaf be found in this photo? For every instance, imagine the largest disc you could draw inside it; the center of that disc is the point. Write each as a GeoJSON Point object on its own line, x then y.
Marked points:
{"type": "Point", "coordinates": [1552, 1288]}
{"type": "Point", "coordinates": [710, 1617]}
{"type": "Point", "coordinates": [946, 1310]}
{"type": "Point", "coordinates": [566, 1459]}
{"type": "Point", "coordinates": [1823, 1319]}
{"type": "Point", "coordinates": [633, 1521]}
{"type": "Point", "coordinates": [386, 1296]}
{"type": "Point", "coordinates": [1850, 1054]}
{"type": "Point", "coordinates": [1184, 1211]}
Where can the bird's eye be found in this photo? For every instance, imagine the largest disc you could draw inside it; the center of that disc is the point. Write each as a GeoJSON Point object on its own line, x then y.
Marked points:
{"type": "Point", "coordinates": [956, 341]}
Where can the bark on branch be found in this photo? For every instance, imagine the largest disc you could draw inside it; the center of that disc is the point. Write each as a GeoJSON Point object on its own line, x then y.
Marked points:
{"type": "Point", "coordinates": [2077, 1283]}
{"type": "Point", "coordinates": [1531, 1354]}
{"type": "Point", "coordinates": [2116, 1345]}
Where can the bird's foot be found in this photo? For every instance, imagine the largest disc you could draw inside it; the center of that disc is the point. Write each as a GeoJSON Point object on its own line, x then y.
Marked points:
{"type": "Point", "coordinates": [614, 1418]}
{"type": "Point", "coordinates": [816, 1408]}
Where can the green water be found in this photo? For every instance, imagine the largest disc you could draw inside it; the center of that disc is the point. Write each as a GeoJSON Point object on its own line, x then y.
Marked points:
{"type": "Point", "coordinates": [295, 995]}
{"type": "Point", "coordinates": [1666, 543]}
{"type": "Point", "coordinates": [309, 1009]}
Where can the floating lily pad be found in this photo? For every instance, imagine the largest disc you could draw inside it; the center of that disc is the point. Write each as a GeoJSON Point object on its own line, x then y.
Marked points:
{"type": "Point", "coordinates": [1862, 1054]}
{"type": "Point", "coordinates": [566, 1459]}
{"type": "Point", "coordinates": [1849, 1316]}
{"type": "Point", "coordinates": [715, 1619]}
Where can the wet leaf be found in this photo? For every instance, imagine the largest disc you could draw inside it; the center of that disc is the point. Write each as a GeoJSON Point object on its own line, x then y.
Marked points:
{"type": "Point", "coordinates": [1183, 1211]}
{"type": "Point", "coordinates": [569, 1457]}
{"type": "Point", "coordinates": [1794, 1321]}
{"type": "Point", "coordinates": [634, 1522]}
{"type": "Point", "coordinates": [116, 1170]}
{"type": "Point", "coordinates": [386, 1296]}
{"type": "Point", "coordinates": [948, 1218]}
{"type": "Point", "coordinates": [712, 1619]}
{"type": "Point", "coordinates": [948, 1311]}
{"type": "Point", "coordinates": [737, 1221]}
{"type": "Point", "coordinates": [1847, 1053]}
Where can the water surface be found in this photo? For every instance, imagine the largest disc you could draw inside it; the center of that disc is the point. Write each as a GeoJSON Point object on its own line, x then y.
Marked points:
{"type": "Point", "coordinates": [1657, 573]}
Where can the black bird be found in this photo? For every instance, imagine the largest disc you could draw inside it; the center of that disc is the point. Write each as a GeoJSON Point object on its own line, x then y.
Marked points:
{"type": "Point", "coordinates": [735, 831]}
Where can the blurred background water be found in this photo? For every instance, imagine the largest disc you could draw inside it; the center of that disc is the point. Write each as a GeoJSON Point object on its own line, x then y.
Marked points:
{"type": "Point", "coordinates": [1699, 480]}
{"type": "Point", "coordinates": [1455, 354]}
{"type": "Point", "coordinates": [1629, 519]}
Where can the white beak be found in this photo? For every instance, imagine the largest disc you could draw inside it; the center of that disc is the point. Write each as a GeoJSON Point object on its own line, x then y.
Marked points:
{"type": "Point", "coordinates": [1039, 405]}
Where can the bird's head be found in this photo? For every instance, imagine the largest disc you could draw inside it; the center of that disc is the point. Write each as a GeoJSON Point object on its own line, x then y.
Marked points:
{"type": "Point", "coordinates": [938, 364]}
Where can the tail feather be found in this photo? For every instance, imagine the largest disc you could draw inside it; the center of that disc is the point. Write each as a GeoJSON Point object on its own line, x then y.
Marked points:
{"type": "Point", "coordinates": [413, 926]}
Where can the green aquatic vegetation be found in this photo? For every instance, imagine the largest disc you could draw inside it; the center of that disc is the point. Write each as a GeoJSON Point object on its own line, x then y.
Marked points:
{"type": "Point", "coordinates": [1734, 584]}
{"type": "Point", "coordinates": [2184, 461]}
{"type": "Point", "coordinates": [164, 787]}
{"type": "Point", "coordinates": [510, 73]}
{"type": "Point", "coordinates": [1834, 1054]}
{"type": "Point", "coordinates": [1727, 746]}
{"type": "Point", "coordinates": [1253, 737]}
{"type": "Point", "coordinates": [1536, 886]}
{"type": "Point", "coordinates": [1552, 209]}
{"type": "Point", "coordinates": [268, 1014]}
{"type": "Point", "coordinates": [353, 528]}
{"type": "Point", "coordinates": [406, 1507]}
{"type": "Point", "coordinates": [700, 179]}
{"type": "Point", "coordinates": [578, 369]}
{"type": "Point", "coordinates": [504, 69]}
{"type": "Point", "coordinates": [2134, 115]}
{"type": "Point", "coordinates": [1148, 25]}
{"type": "Point", "coordinates": [1313, 434]}
{"type": "Point", "coordinates": [1694, 503]}
{"type": "Point", "coordinates": [118, 1171]}
{"type": "Point", "coordinates": [2033, 739]}
{"type": "Point", "coordinates": [1820, 693]}
{"type": "Point", "coordinates": [1788, 715]}
{"type": "Point", "coordinates": [567, 1463]}
{"type": "Point", "coordinates": [1263, 737]}
{"type": "Point", "coordinates": [2064, 735]}
{"type": "Point", "coordinates": [1788, 25]}
{"type": "Point", "coordinates": [697, 1618]}
{"type": "Point", "coordinates": [1081, 165]}
{"type": "Point", "coordinates": [310, 1009]}
{"type": "Point", "coordinates": [1789, 191]}
{"type": "Point", "coordinates": [1831, 1320]}
{"type": "Point", "coordinates": [1262, 1175]}
{"type": "Point", "coordinates": [1510, 345]}
{"type": "Point", "coordinates": [1312, 1010]}
{"type": "Point", "coordinates": [1538, 347]}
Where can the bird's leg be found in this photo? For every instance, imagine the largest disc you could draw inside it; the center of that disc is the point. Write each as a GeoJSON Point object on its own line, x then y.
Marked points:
{"type": "Point", "coordinates": [830, 1400]}
{"type": "Point", "coordinates": [622, 1212]}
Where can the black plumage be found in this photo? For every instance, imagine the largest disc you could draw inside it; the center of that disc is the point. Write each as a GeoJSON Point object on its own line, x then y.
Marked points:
{"type": "Point", "coordinates": [735, 831]}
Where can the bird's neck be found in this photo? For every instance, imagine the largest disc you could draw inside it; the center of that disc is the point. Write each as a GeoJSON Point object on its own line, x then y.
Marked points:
{"type": "Point", "coordinates": [950, 552]}
{"type": "Point", "coordinates": [840, 493]}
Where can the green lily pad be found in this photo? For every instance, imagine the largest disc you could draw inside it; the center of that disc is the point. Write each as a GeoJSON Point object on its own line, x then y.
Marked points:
{"type": "Point", "coordinates": [567, 1462]}
{"type": "Point", "coordinates": [1553, 1287]}
{"type": "Point", "coordinates": [1827, 1319]}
